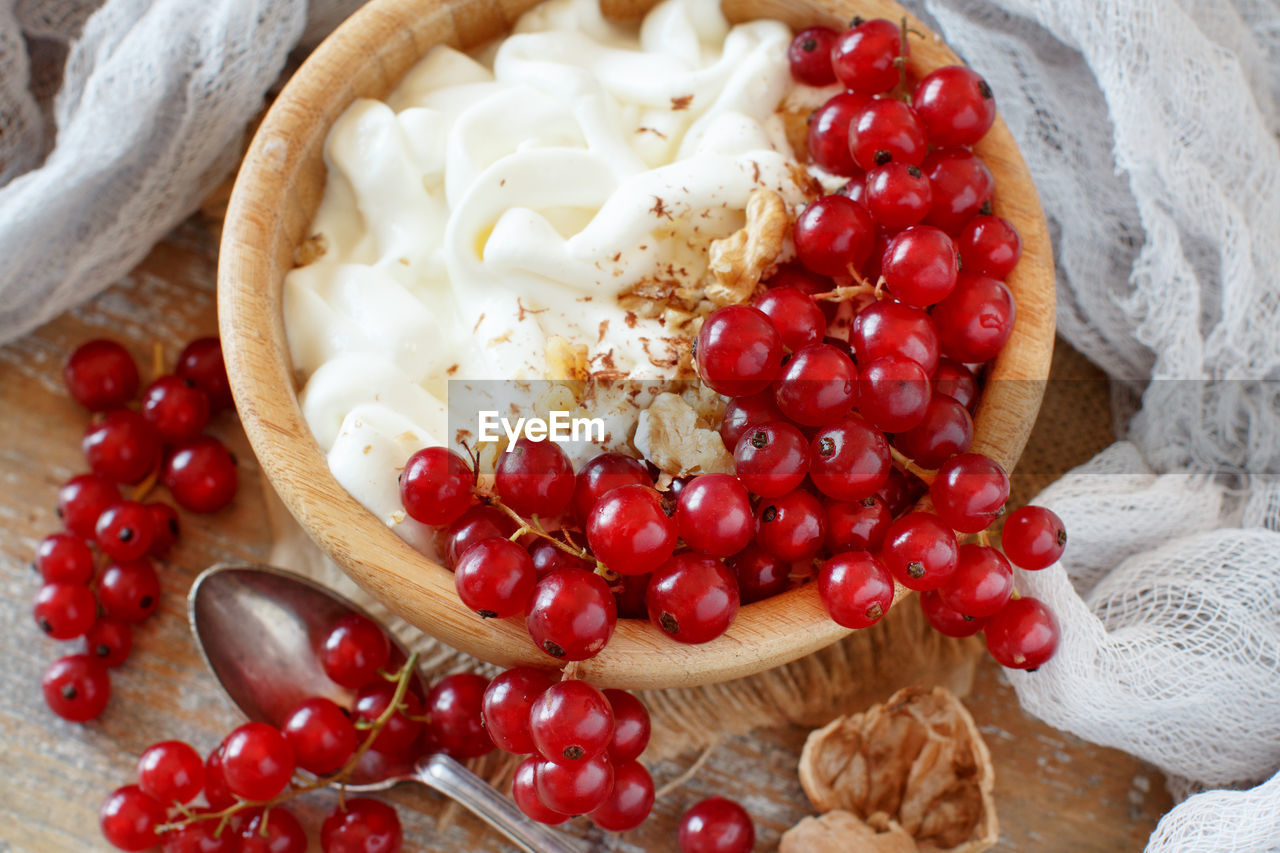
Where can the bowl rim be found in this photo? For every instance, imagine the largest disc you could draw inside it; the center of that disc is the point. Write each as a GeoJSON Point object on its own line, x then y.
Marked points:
{"type": "Point", "coordinates": [765, 634]}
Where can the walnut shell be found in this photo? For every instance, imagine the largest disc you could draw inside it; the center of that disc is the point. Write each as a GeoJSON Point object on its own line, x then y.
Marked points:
{"type": "Point", "coordinates": [918, 759]}
{"type": "Point", "coordinates": [839, 831]}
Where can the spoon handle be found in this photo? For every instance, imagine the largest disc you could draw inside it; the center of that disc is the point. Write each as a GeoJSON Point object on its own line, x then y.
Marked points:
{"type": "Point", "coordinates": [450, 778]}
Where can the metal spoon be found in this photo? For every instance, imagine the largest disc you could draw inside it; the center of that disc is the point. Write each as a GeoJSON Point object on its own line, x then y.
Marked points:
{"type": "Point", "coordinates": [260, 628]}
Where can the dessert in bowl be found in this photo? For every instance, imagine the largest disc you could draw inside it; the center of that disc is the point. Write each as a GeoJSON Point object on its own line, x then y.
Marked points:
{"type": "Point", "coordinates": [368, 321]}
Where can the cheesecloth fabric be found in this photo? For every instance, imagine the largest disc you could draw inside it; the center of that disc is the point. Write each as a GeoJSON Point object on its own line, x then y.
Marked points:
{"type": "Point", "coordinates": [1151, 128]}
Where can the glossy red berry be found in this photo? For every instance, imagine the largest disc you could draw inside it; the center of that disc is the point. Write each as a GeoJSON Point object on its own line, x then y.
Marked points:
{"type": "Point", "coordinates": [898, 195]}
{"type": "Point", "coordinates": [129, 591]}
{"type": "Point", "coordinates": [738, 350]}
{"type": "Point", "coordinates": [849, 460]}
{"type": "Point", "coordinates": [631, 726]}
{"type": "Point", "coordinates": [362, 825]}
{"type": "Point", "coordinates": [989, 245]}
{"type": "Point", "coordinates": [817, 385]}
{"type": "Point", "coordinates": [692, 598]}
{"type": "Point", "coordinates": [573, 788]}
{"type": "Point", "coordinates": [856, 525]}
{"type": "Point", "coordinates": [957, 382]}
{"type": "Point", "coordinates": [744, 412]}
{"type": "Point", "coordinates": [976, 320]}
{"type": "Point", "coordinates": [63, 558]}
{"type": "Point", "coordinates": [982, 583]}
{"type": "Point", "coordinates": [76, 688]}
{"type": "Point", "coordinates": [760, 574]}
{"type": "Point", "coordinates": [856, 589]}
{"type": "Point", "coordinates": [322, 735]}
{"type": "Point", "coordinates": [274, 831]}
{"type": "Point", "coordinates": [454, 706]}
{"type": "Point", "coordinates": [101, 375]}
{"type": "Point", "coordinates": [629, 802]}
{"type": "Point", "coordinates": [828, 139]}
{"type": "Point", "coordinates": [810, 56]}
{"type": "Point", "coordinates": [603, 473]}
{"type": "Point", "coordinates": [1024, 635]}
{"type": "Point", "coordinates": [630, 532]}
{"type": "Point", "coordinates": [524, 790]}
{"type": "Point", "coordinates": [920, 551]}
{"type": "Point", "coordinates": [201, 475]}
{"type": "Point", "coordinates": [902, 491]}
{"type": "Point", "coordinates": [435, 486]}
{"type": "Point", "coordinates": [771, 459]}
{"type": "Point", "coordinates": [548, 557]}
{"type": "Point", "coordinates": [400, 731]}
{"type": "Point", "coordinates": [354, 650]}
{"type": "Point", "coordinates": [506, 704]}
{"type": "Point", "coordinates": [834, 235]}
{"type": "Point", "coordinates": [216, 792]}
{"type": "Point", "coordinates": [475, 525]}
{"type": "Point", "coordinates": [571, 722]}
{"type": "Point", "coordinates": [125, 531]}
{"type": "Point", "coordinates": [920, 266]}
{"type": "Point", "coordinates": [494, 578]}
{"type": "Point", "coordinates": [955, 105]}
{"type": "Point", "coordinates": [121, 446]}
{"type": "Point", "coordinates": [713, 515]}
{"type": "Point", "coordinates": [791, 526]}
{"type": "Point", "coordinates": [947, 429]}
{"type": "Point", "coordinates": [171, 771]}
{"type": "Point", "coordinates": [716, 825]}
{"type": "Point", "coordinates": [864, 56]}
{"type": "Point", "coordinates": [888, 328]}
{"type": "Point", "coordinates": [893, 393]}
{"type": "Point", "coordinates": [109, 641]}
{"type": "Point", "coordinates": [65, 611]}
{"type": "Point", "coordinates": [886, 131]}
{"type": "Point", "coordinates": [201, 362]}
{"type": "Point", "coordinates": [969, 491]}
{"type": "Point", "coordinates": [201, 836]}
{"type": "Point", "coordinates": [129, 818]}
{"type": "Point", "coordinates": [961, 184]}
{"type": "Point", "coordinates": [165, 528]}
{"type": "Point", "coordinates": [1033, 538]}
{"type": "Point", "coordinates": [257, 761]}
{"type": "Point", "coordinates": [535, 477]}
{"type": "Point", "coordinates": [572, 614]}
{"type": "Point", "coordinates": [796, 316]}
{"type": "Point", "coordinates": [82, 499]}
{"type": "Point", "coordinates": [948, 622]}
{"type": "Point", "coordinates": [175, 407]}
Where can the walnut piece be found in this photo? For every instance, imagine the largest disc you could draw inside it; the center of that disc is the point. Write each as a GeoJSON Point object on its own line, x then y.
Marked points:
{"type": "Point", "coordinates": [739, 261]}
{"type": "Point", "coordinates": [839, 832]}
{"type": "Point", "coordinates": [672, 435]}
{"type": "Point", "coordinates": [310, 250]}
{"type": "Point", "coordinates": [917, 759]}
{"type": "Point", "coordinates": [566, 360]}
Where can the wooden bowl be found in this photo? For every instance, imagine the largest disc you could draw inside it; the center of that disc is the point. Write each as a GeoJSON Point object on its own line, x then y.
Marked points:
{"type": "Point", "coordinates": [276, 195]}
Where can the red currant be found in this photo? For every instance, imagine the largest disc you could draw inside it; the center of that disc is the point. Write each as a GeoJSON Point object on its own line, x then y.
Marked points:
{"type": "Point", "coordinates": [901, 491]}
{"type": "Point", "coordinates": [856, 589]}
{"type": "Point", "coordinates": [692, 598]}
{"type": "Point", "coordinates": [817, 385]}
{"type": "Point", "coordinates": [200, 836]}
{"type": "Point", "coordinates": [857, 525]}
{"type": "Point", "coordinates": [362, 825]}
{"type": "Point", "coordinates": [886, 130]}
{"type": "Point", "coordinates": [630, 532]}
{"type": "Point", "coordinates": [572, 614]}
{"type": "Point", "coordinates": [524, 791]}
{"type": "Point", "coordinates": [125, 531]}
{"type": "Point", "coordinates": [771, 459]}
{"type": "Point", "coordinates": [321, 734]}
{"type": "Point", "coordinates": [989, 245]}
{"type": "Point", "coordinates": [354, 650]}
{"type": "Point", "coordinates": [165, 528]}
{"type": "Point", "coordinates": [961, 184]}
{"type": "Point", "coordinates": [63, 558]}
{"type": "Point", "coordinates": [602, 474]}
{"type": "Point", "coordinates": [744, 412]}
{"type": "Point", "coordinates": [792, 526]}
{"type": "Point", "coordinates": [810, 56]}
{"type": "Point", "coordinates": [738, 350]}
{"type": "Point", "coordinates": [955, 105]}
{"type": "Point", "coordinates": [109, 641]}
{"type": "Point", "coordinates": [1024, 635]}
{"type": "Point", "coordinates": [129, 818]}
{"type": "Point", "coordinates": [201, 362]}
{"type": "Point", "coordinates": [101, 375]}
{"type": "Point", "coordinates": [535, 477]}
{"type": "Point", "coordinates": [947, 429]}
{"type": "Point", "coordinates": [571, 722]}
{"type": "Point", "coordinates": [201, 475]}
{"type": "Point", "coordinates": [494, 578]}
{"type": "Point", "coordinates": [969, 492]}
{"type": "Point", "coordinates": [717, 825]}
{"type": "Point", "coordinates": [864, 57]}
{"type": "Point", "coordinates": [828, 140]}
{"type": "Point", "coordinates": [257, 761]}
{"type": "Point", "coordinates": [548, 557]}
{"type": "Point", "coordinates": [574, 788]}
{"type": "Point", "coordinates": [1033, 538]}
{"type": "Point", "coordinates": [82, 499]}
{"type": "Point", "coordinates": [833, 236]}
{"type": "Point", "coordinates": [920, 266]}
{"type": "Point", "coordinates": [400, 732]}
{"type": "Point", "coordinates": [898, 195]}
{"type": "Point", "coordinates": [435, 486]}
{"type": "Point", "coordinates": [976, 320]}
{"type": "Point", "coordinates": [121, 446]}
{"type": "Point", "coordinates": [129, 591]}
{"type": "Point", "coordinates": [76, 688]}
{"type": "Point", "coordinates": [796, 316]}
{"type": "Point", "coordinates": [216, 792]}
{"type": "Point", "coordinates": [171, 771]}
{"type": "Point", "coordinates": [982, 583]}
{"type": "Point", "coordinates": [274, 831]}
{"type": "Point", "coordinates": [713, 515]}
{"type": "Point", "coordinates": [893, 393]}
{"type": "Point", "coordinates": [892, 328]}
{"type": "Point", "coordinates": [920, 551]}
{"type": "Point", "coordinates": [630, 801]}
{"type": "Point", "coordinates": [760, 574]}
{"type": "Point", "coordinates": [454, 706]}
{"type": "Point", "coordinates": [175, 407]}
{"type": "Point", "coordinates": [631, 727]}
{"type": "Point", "coordinates": [65, 611]}
{"type": "Point", "coordinates": [475, 525]}
{"type": "Point", "coordinates": [849, 460]}
{"type": "Point", "coordinates": [957, 382]}
{"type": "Point", "coordinates": [945, 621]}
{"type": "Point", "coordinates": [506, 705]}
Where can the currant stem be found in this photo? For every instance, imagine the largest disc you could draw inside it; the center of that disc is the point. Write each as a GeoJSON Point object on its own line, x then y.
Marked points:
{"type": "Point", "coordinates": [535, 528]}
{"type": "Point", "coordinates": [844, 294]}
{"type": "Point", "coordinates": [912, 468]}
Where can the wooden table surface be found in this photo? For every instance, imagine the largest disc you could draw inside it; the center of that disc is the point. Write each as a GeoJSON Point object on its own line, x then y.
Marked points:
{"type": "Point", "coordinates": [1054, 792]}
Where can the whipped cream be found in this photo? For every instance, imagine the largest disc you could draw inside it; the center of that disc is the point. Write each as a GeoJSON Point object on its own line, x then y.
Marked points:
{"type": "Point", "coordinates": [496, 201]}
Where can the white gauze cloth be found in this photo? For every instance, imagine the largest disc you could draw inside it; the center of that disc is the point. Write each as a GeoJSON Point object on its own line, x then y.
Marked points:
{"type": "Point", "coordinates": [1150, 127]}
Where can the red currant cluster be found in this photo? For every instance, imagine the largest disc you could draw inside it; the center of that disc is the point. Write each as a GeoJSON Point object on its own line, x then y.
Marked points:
{"type": "Point", "coordinates": [162, 440]}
